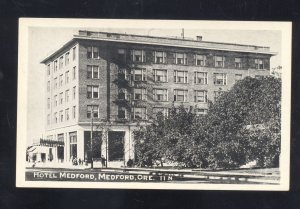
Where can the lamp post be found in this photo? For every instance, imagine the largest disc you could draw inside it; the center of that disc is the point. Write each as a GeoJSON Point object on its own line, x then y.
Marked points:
{"type": "Point", "coordinates": [92, 115]}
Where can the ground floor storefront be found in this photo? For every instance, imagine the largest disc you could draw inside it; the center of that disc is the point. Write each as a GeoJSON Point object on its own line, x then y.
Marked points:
{"type": "Point", "coordinates": [112, 145]}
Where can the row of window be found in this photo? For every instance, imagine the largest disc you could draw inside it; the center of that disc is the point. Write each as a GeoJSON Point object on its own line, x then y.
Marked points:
{"type": "Point", "coordinates": [160, 57]}
{"type": "Point", "coordinates": [62, 79]}
{"type": "Point", "coordinates": [62, 61]}
{"type": "Point", "coordinates": [62, 115]}
{"type": "Point", "coordinates": [137, 112]}
{"type": "Point", "coordinates": [62, 97]}
{"type": "Point", "coordinates": [93, 112]}
{"type": "Point", "coordinates": [72, 147]}
{"type": "Point", "coordinates": [158, 94]}
{"type": "Point", "coordinates": [161, 75]}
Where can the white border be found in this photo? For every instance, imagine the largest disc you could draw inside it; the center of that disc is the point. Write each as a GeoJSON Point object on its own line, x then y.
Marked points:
{"type": "Point", "coordinates": [25, 23]}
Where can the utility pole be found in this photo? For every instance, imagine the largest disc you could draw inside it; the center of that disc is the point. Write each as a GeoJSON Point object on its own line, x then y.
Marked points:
{"type": "Point", "coordinates": [92, 138]}
{"type": "Point", "coordinates": [106, 148]}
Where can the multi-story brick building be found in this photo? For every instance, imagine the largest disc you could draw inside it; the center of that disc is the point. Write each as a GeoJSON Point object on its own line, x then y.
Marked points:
{"type": "Point", "coordinates": [111, 83]}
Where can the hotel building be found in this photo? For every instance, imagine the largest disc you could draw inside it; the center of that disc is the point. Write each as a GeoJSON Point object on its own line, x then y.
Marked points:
{"type": "Point", "coordinates": [112, 83]}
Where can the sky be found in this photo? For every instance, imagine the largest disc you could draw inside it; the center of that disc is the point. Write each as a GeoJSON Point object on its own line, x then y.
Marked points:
{"type": "Point", "coordinates": [42, 41]}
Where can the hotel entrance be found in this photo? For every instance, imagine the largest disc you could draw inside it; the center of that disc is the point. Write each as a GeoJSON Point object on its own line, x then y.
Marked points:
{"type": "Point", "coordinates": [116, 146]}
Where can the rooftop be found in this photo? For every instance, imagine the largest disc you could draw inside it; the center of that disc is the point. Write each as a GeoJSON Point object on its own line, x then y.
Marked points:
{"type": "Point", "coordinates": [197, 43]}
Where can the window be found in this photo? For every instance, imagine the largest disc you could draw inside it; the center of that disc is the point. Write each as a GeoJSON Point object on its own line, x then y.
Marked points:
{"type": "Point", "coordinates": [67, 77]}
{"type": "Point", "coordinates": [48, 119]}
{"type": "Point", "coordinates": [74, 72]}
{"type": "Point", "coordinates": [55, 117]}
{"type": "Point", "coordinates": [217, 94]}
{"type": "Point", "coordinates": [61, 62]}
{"type": "Point", "coordinates": [116, 146]}
{"type": "Point", "coordinates": [121, 54]}
{"type": "Point", "coordinates": [74, 53]}
{"type": "Point", "coordinates": [200, 60]}
{"type": "Point", "coordinates": [140, 113]}
{"type": "Point", "coordinates": [160, 75]}
{"type": "Point", "coordinates": [122, 112]}
{"type": "Point", "coordinates": [93, 92]}
{"type": "Point", "coordinates": [55, 83]}
{"type": "Point", "coordinates": [162, 110]}
{"type": "Point", "coordinates": [200, 111]}
{"type": "Point", "coordinates": [160, 94]}
{"type": "Point", "coordinates": [259, 64]}
{"type": "Point", "coordinates": [140, 94]}
{"type": "Point", "coordinates": [67, 58]}
{"type": "Point", "coordinates": [259, 77]}
{"type": "Point", "coordinates": [61, 80]}
{"type": "Point", "coordinates": [55, 65]}
{"type": "Point", "coordinates": [74, 92]}
{"type": "Point", "coordinates": [219, 61]}
{"type": "Point", "coordinates": [180, 95]}
{"type": "Point", "coordinates": [93, 52]}
{"type": "Point", "coordinates": [180, 76]}
{"type": "Point", "coordinates": [180, 58]}
{"type": "Point", "coordinates": [93, 71]}
{"type": "Point", "coordinates": [67, 114]}
{"type": "Point", "coordinates": [48, 103]}
{"type": "Point", "coordinates": [200, 96]}
{"type": "Point", "coordinates": [61, 116]}
{"type": "Point", "coordinates": [159, 57]}
{"type": "Point", "coordinates": [73, 145]}
{"type": "Point", "coordinates": [92, 111]}
{"type": "Point", "coordinates": [122, 74]}
{"type": "Point", "coordinates": [74, 111]}
{"type": "Point", "coordinates": [238, 77]}
{"type": "Point", "coordinates": [61, 98]}
{"type": "Point", "coordinates": [55, 101]}
{"type": "Point", "coordinates": [60, 137]}
{"type": "Point", "coordinates": [67, 95]}
{"type": "Point", "coordinates": [138, 56]}
{"type": "Point", "coordinates": [220, 78]}
{"type": "Point", "coordinates": [48, 86]}
{"type": "Point", "coordinates": [48, 69]}
{"type": "Point", "coordinates": [238, 62]}
{"type": "Point", "coordinates": [200, 78]}
{"type": "Point", "coordinates": [139, 74]}
{"type": "Point", "coordinates": [123, 94]}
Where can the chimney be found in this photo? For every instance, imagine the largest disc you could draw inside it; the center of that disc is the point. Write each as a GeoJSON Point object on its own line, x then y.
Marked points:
{"type": "Point", "coordinates": [199, 38]}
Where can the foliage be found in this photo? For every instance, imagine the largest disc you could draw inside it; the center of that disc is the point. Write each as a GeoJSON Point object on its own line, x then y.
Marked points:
{"type": "Point", "coordinates": [246, 120]}
{"type": "Point", "coordinates": [241, 126]}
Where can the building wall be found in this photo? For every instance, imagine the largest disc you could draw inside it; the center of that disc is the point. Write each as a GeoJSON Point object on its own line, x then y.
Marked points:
{"type": "Point", "coordinates": [62, 89]}
{"type": "Point", "coordinates": [109, 67]}
{"type": "Point", "coordinates": [84, 82]}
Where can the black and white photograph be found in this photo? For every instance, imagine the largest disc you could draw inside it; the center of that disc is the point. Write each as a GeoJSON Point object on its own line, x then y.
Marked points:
{"type": "Point", "coordinates": [154, 104]}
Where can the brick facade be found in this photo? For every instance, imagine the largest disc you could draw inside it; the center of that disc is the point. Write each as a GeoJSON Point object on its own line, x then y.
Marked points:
{"type": "Point", "coordinates": [110, 63]}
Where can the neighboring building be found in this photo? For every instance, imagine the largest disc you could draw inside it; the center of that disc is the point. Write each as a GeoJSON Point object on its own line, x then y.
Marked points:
{"type": "Point", "coordinates": [121, 81]}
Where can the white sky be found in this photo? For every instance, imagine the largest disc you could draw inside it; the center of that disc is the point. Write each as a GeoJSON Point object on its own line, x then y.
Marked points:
{"type": "Point", "coordinates": [44, 40]}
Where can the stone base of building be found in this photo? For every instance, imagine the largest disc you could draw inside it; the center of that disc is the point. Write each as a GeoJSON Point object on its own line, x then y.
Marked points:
{"type": "Point", "coordinates": [113, 144]}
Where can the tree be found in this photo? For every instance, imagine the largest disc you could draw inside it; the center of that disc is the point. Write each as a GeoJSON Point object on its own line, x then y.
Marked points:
{"type": "Point", "coordinates": [245, 123]}
{"type": "Point", "coordinates": [241, 126]}
{"type": "Point", "coordinates": [167, 139]}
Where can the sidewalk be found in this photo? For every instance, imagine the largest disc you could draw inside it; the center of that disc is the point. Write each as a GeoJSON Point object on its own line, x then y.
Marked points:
{"type": "Point", "coordinates": [67, 165]}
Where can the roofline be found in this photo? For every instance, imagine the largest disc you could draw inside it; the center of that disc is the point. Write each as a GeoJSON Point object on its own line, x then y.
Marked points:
{"type": "Point", "coordinates": [58, 51]}
{"type": "Point", "coordinates": [78, 37]}
{"type": "Point", "coordinates": [174, 45]}
{"type": "Point", "coordinates": [166, 37]}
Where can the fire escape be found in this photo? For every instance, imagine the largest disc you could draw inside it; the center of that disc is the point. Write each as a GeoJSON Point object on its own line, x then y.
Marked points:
{"type": "Point", "coordinates": [126, 82]}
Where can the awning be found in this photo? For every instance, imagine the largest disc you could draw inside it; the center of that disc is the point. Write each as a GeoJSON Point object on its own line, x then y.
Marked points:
{"type": "Point", "coordinates": [39, 149]}
{"type": "Point", "coordinates": [31, 149]}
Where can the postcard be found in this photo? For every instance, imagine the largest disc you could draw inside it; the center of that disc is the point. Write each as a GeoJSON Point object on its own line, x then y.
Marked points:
{"type": "Point", "coordinates": [153, 104]}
